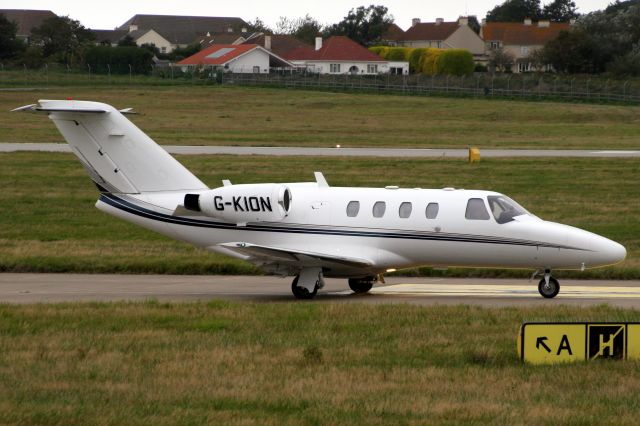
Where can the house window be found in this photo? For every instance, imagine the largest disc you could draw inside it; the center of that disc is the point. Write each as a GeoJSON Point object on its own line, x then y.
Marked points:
{"type": "Point", "coordinates": [163, 49]}
{"type": "Point", "coordinates": [432, 210]}
{"type": "Point", "coordinates": [372, 69]}
{"type": "Point", "coordinates": [524, 50]}
{"type": "Point", "coordinates": [353, 208]}
{"type": "Point", "coordinates": [439, 45]}
{"type": "Point", "coordinates": [379, 208]}
{"type": "Point", "coordinates": [405, 210]}
{"type": "Point", "coordinates": [256, 70]}
{"type": "Point", "coordinates": [495, 45]}
{"type": "Point", "coordinates": [334, 68]}
{"type": "Point", "coordinates": [476, 210]}
{"type": "Point", "coordinates": [524, 67]}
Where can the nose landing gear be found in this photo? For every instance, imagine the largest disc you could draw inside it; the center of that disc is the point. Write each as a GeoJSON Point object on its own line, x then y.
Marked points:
{"type": "Point", "coordinates": [548, 286]}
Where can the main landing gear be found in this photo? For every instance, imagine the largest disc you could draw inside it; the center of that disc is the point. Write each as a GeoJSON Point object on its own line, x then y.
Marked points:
{"type": "Point", "coordinates": [306, 284]}
{"type": "Point", "coordinates": [361, 285]}
{"type": "Point", "coordinates": [548, 286]}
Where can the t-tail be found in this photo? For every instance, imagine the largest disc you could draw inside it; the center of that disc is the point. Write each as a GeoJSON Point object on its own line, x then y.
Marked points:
{"type": "Point", "coordinates": [119, 157]}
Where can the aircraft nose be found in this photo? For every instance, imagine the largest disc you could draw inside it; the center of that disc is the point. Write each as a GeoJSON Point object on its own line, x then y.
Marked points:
{"type": "Point", "coordinates": [607, 252]}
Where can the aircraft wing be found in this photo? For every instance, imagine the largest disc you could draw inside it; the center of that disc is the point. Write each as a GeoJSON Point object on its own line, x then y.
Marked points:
{"type": "Point", "coordinates": [265, 254]}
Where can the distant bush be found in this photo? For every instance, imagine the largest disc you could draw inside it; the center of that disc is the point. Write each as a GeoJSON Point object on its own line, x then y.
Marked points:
{"type": "Point", "coordinates": [480, 68]}
{"type": "Point", "coordinates": [430, 60]}
{"type": "Point", "coordinates": [455, 62]}
{"type": "Point", "coordinates": [119, 59]}
{"type": "Point", "coordinates": [416, 57]}
{"type": "Point", "coordinates": [377, 49]}
{"type": "Point", "coordinates": [397, 54]}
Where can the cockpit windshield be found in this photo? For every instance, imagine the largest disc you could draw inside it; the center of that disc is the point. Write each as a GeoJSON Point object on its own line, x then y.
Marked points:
{"type": "Point", "coordinates": [504, 209]}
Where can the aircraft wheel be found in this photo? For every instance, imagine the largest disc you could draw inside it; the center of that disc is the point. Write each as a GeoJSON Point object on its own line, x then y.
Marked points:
{"type": "Point", "coordinates": [549, 290]}
{"type": "Point", "coordinates": [301, 292]}
{"type": "Point", "coordinates": [360, 285]}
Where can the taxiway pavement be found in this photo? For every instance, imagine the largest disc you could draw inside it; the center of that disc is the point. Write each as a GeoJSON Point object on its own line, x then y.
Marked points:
{"type": "Point", "coordinates": [50, 288]}
{"type": "Point", "coordinates": [347, 152]}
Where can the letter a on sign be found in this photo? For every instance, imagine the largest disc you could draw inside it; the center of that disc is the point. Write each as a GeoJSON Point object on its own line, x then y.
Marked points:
{"type": "Point", "coordinates": [564, 345]}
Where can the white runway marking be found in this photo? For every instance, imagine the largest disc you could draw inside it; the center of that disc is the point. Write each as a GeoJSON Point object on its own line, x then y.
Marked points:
{"type": "Point", "coordinates": [507, 291]}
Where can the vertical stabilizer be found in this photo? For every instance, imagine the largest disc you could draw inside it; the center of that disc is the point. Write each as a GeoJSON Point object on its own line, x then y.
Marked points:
{"type": "Point", "coordinates": [117, 155]}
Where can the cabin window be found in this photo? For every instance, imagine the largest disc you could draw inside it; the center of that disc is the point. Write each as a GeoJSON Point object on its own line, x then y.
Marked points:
{"type": "Point", "coordinates": [405, 210]}
{"type": "Point", "coordinates": [353, 208]}
{"type": "Point", "coordinates": [432, 210]}
{"type": "Point", "coordinates": [379, 208]}
{"type": "Point", "coordinates": [476, 210]}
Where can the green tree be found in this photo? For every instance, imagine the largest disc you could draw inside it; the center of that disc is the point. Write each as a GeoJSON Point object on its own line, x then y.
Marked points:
{"type": "Point", "coordinates": [63, 38]}
{"type": "Point", "coordinates": [180, 53]}
{"type": "Point", "coordinates": [560, 11]}
{"type": "Point", "coordinates": [306, 29]}
{"type": "Point", "coordinates": [127, 41]}
{"type": "Point", "coordinates": [574, 52]}
{"type": "Point", "coordinates": [258, 26]}
{"type": "Point", "coordinates": [10, 45]}
{"type": "Point", "coordinates": [364, 25]}
{"type": "Point", "coordinates": [515, 11]}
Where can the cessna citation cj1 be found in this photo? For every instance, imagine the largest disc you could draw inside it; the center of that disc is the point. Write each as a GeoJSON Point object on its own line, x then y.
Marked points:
{"type": "Point", "coordinates": [312, 230]}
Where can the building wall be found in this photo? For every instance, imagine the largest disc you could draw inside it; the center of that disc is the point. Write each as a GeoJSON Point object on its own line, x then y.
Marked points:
{"type": "Point", "coordinates": [246, 63]}
{"type": "Point", "coordinates": [519, 54]}
{"type": "Point", "coordinates": [465, 38]}
{"type": "Point", "coordinates": [323, 67]}
{"type": "Point", "coordinates": [152, 37]}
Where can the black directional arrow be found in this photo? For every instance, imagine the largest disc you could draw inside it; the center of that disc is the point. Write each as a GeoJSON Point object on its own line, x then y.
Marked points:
{"type": "Point", "coordinates": [540, 342]}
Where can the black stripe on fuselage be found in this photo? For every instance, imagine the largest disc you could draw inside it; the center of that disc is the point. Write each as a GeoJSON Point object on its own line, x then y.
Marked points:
{"type": "Point", "coordinates": [137, 210]}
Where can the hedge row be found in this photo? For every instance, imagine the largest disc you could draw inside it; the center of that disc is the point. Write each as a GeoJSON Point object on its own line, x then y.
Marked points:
{"type": "Point", "coordinates": [430, 61]}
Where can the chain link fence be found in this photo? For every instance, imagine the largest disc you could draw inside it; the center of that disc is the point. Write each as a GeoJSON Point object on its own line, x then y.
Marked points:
{"type": "Point", "coordinates": [530, 86]}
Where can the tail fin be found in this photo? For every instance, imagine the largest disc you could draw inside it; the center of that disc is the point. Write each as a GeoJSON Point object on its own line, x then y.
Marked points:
{"type": "Point", "coordinates": [117, 155]}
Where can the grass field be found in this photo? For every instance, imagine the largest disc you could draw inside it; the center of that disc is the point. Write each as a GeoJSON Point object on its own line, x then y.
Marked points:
{"type": "Point", "coordinates": [197, 115]}
{"type": "Point", "coordinates": [48, 221]}
{"type": "Point", "coordinates": [297, 363]}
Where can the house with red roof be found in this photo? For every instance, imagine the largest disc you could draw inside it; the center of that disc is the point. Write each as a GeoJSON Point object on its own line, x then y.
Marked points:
{"type": "Point", "coordinates": [236, 58]}
{"type": "Point", "coordinates": [444, 35]}
{"type": "Point", "coordinates": [341, 55]}
{"type": "Point", "coordinates": [521, 39]}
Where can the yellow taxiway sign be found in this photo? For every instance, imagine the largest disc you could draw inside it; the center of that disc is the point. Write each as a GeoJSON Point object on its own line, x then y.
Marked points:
{"type": "Point", "coordinates": [549, 343]}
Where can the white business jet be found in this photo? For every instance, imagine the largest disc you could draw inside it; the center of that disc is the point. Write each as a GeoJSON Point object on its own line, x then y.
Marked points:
{"type": "Point", "coordinates": [312, 230]}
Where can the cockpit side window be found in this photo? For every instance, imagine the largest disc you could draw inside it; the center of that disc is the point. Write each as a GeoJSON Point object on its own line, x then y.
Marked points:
{"type": "Point", "coordinates": [504, 209]}
{"type": "Point", "coordinates": [476, 210]}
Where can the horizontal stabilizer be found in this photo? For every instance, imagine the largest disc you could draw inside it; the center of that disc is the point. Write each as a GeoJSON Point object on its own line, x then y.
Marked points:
{"type": "Point", "coordinates": [275, 254]}
{"type": "Point", "coordinates": [74, 109]}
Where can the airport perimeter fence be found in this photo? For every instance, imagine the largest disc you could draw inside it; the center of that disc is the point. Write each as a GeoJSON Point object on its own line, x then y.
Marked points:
{"type": "Point", "coordinates": [527, 85]}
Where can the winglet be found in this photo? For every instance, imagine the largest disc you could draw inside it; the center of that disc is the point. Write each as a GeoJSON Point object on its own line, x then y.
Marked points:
{"type": "Point", "coordinates": [322, 182]}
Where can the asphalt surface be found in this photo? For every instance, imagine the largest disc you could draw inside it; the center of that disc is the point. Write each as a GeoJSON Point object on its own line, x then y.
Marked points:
{"type": "Point", "coordinates": [347, 152]}
{"type": "Point", "coordinates": [50, 288]}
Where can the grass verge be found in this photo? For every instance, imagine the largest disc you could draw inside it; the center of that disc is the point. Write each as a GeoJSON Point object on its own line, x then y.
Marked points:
{"type": "Point", "coordinates": [189, 115]}
{"type": "Point", "coordinates": [48, 222]}
{"type": "Point", "coordinates": [227, 363]}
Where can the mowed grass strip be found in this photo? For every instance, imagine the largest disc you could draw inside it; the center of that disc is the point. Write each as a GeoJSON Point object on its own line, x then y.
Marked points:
{"type": "Point", "coordinates": [48, 221]}
{"type": "Point", "coordinates": [293, 363]}
{"type": "Point", "coordinates": [215, 115]}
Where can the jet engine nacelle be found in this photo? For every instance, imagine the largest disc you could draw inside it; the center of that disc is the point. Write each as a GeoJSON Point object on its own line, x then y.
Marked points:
{"type": "Point", "coordinates": [267, 202]}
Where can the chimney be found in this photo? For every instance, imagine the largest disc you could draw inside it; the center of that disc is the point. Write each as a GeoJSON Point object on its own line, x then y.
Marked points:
{"type": "Point", "coordinates": [439, 21]}
{"type": "Point", "coordinates": [267, 42]}
{"type": "Point", "coordinates": [318, 43]}
{"type": "Point", "coordinates": [133, 27]}
{"type": "Point", "coordinates": [484, 22]}
{"type": "Point", "coordinates": [572, 21]}
{"type": "Point", "coordinates": [463, 21]}
{"type": "Point", "coordinates": [415, 21]}
{"type": "Point", "coordinates": [527, 21]}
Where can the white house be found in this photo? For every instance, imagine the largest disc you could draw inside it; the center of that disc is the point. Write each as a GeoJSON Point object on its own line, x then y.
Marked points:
{"type": "Point", "coordinates": [237, 58]}
{"type": "Point", "coordinates": [341, 55]}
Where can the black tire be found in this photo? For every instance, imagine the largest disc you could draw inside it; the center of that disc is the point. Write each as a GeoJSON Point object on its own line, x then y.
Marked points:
{"type": "Point", "coordinates": [301, 292]}
{"type": "Point", "coordinates": [551, 290]}
{"type": "Point", "coordinates": [360, 285]}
